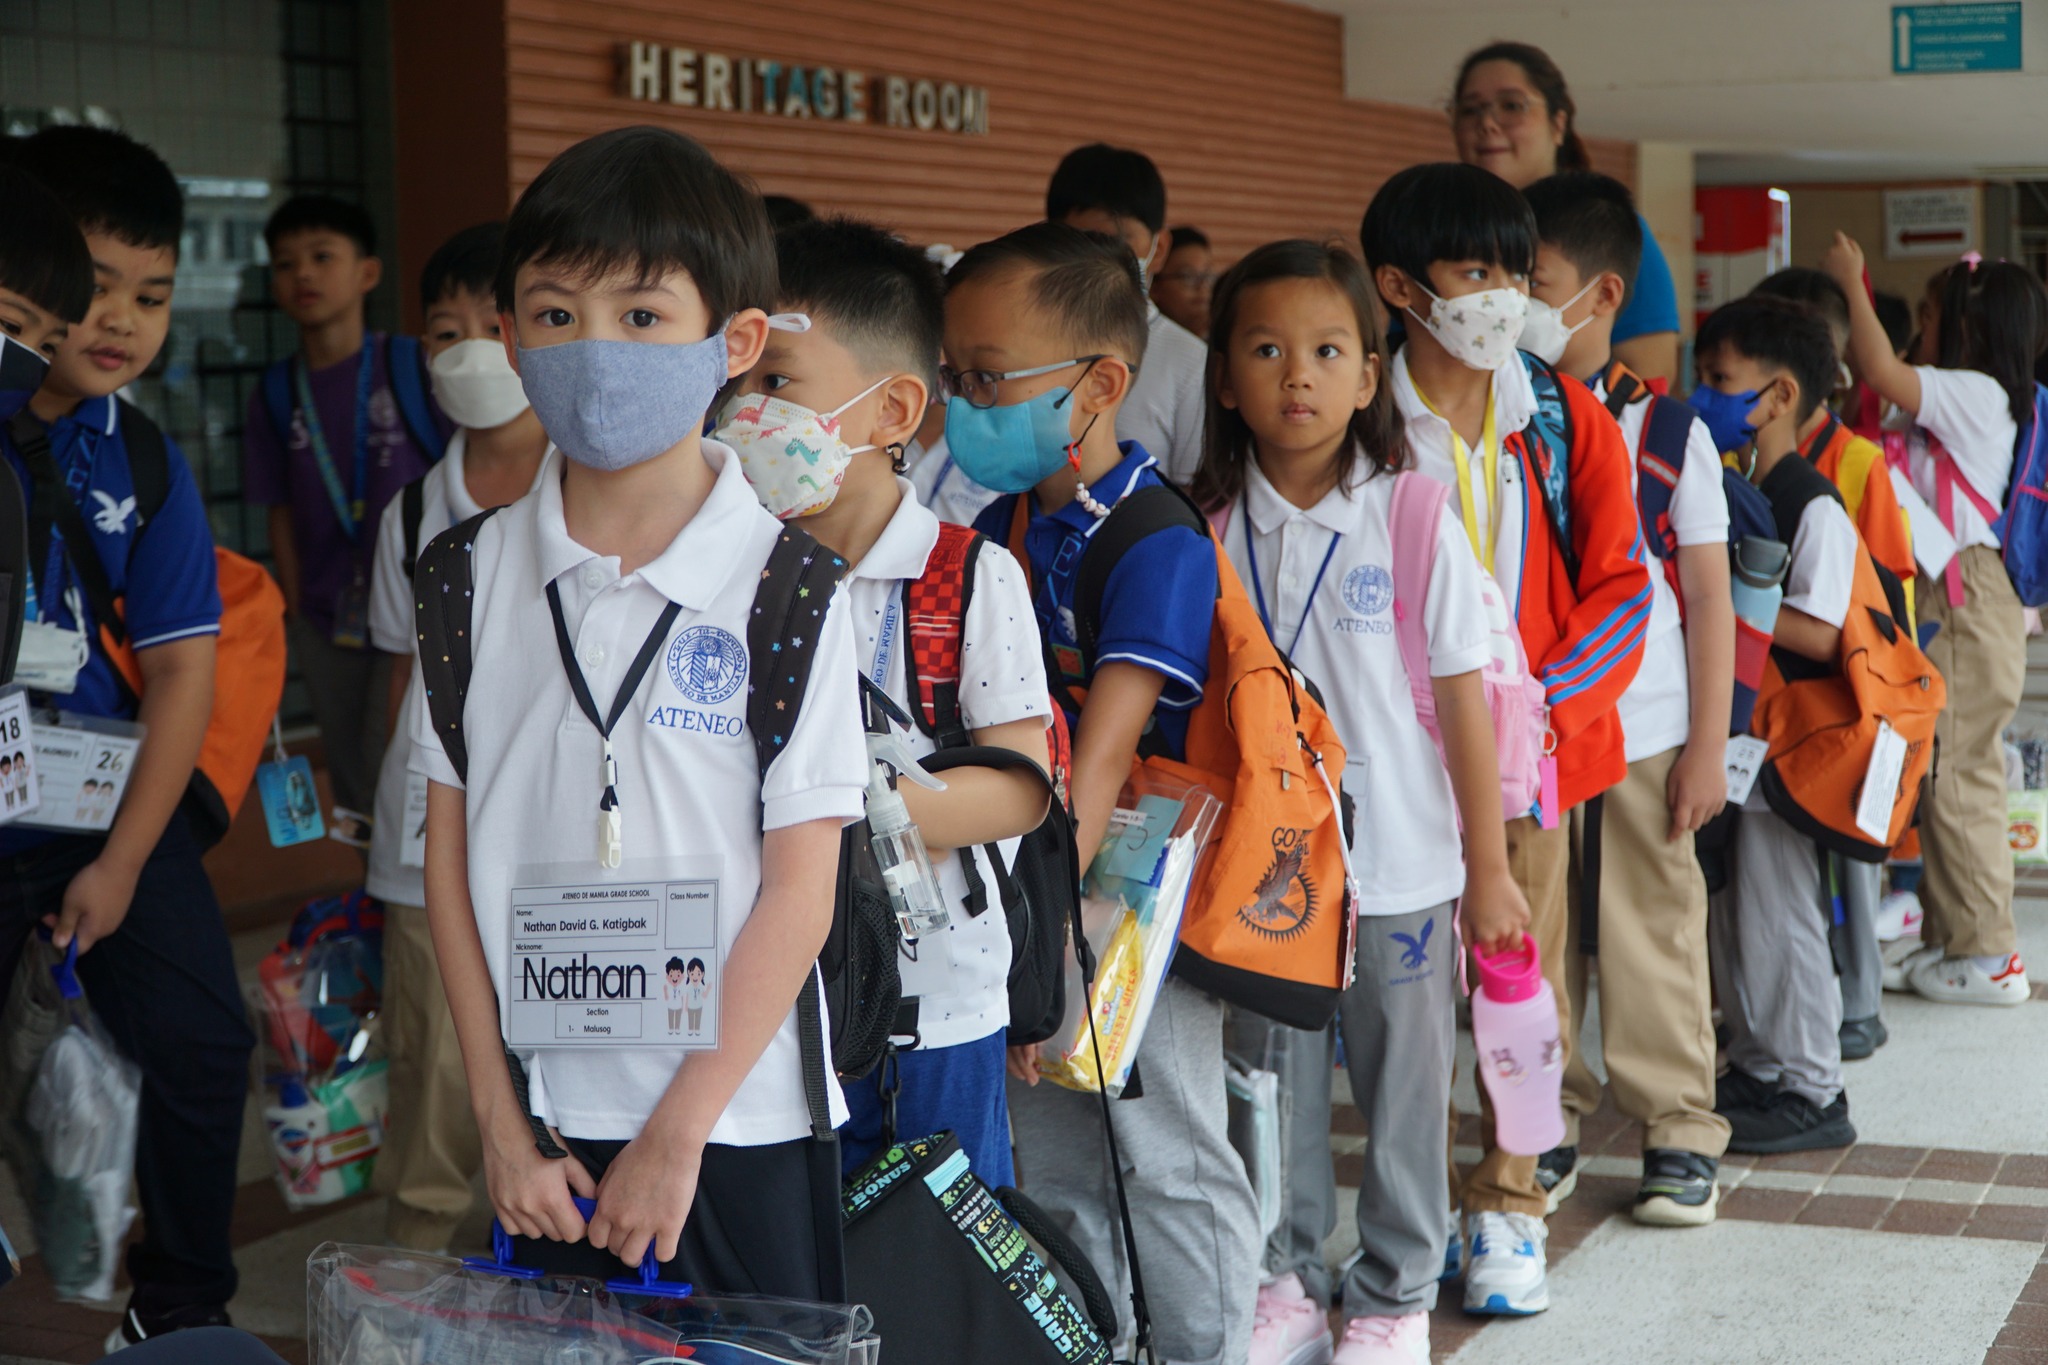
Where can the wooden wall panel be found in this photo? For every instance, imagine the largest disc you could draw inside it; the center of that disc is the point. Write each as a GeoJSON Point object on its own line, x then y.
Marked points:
{"type": "Point", "coordinates": [1240, 102]}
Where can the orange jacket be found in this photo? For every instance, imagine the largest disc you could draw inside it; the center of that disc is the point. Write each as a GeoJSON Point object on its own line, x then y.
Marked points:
{"type": "Point", "coordinates": [1585, 638]}
{"type": "Point", "coordinates": [1857, 468]}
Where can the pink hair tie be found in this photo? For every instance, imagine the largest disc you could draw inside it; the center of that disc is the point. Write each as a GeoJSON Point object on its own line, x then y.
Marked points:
{"type": "Point", "coordinates": [1973, 259]}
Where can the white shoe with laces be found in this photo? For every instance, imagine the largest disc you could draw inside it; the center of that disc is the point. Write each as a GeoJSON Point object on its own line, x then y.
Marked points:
{"type": "Point", "coordinates": [1505, 1275]}
{"type": "Point", "coordinates": [1385, 1341]}
{"type": "Point", "coordinates": [1288, 1327]}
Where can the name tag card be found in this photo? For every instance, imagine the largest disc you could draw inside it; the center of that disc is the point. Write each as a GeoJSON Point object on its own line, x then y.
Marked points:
{"type": "Point", "coordinates": [18, 786]}
{"type": "Point", "coordinates": [1745, 761]}
{"type": "Point", "coordinates": [81, 765]}
{"type": "Point", "coordinates": [1881, 783]}
{"type": "Point", "coordinates": [625, 958]}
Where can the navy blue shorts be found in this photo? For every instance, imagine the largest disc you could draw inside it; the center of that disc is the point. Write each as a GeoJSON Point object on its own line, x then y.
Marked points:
{"type": "Point", "coordinates": [958, 1088]}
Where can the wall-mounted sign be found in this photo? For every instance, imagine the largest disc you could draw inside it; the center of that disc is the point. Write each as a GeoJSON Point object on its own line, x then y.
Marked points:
{"type": "Point", "coordinates": [1936, 222]}
{"type": "Point", "coordinates": [693, 79]}
{"type": "Point", "coordinates": [1955, 38]}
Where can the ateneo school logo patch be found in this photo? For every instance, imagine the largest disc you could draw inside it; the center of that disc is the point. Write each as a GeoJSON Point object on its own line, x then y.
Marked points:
{"type": "Point", "coordinates": [707, 664]}
{"type": "Point", "coordinates": [1368, 591]}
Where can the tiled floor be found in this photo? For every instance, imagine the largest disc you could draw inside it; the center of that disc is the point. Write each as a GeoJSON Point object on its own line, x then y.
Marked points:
{"type": "Point", "coordinates": [1921, 1245]}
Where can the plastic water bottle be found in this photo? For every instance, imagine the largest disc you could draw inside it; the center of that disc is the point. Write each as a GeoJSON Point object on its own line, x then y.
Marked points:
{"type": "Point", "coordinates": [1521, 1056]}
{"type": "Point", "coordinates": [298, 1131]}
{"type": "Point", "coordinates": [1757, 585]}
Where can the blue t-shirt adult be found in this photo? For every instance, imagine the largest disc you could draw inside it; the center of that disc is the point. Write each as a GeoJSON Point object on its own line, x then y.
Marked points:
{"type": "Point", "coordinates": [1158, 602]}
{"type": "Point", "coordinates": [163, 570]}
{"type": "Point", "coordinates": [1653, 303]}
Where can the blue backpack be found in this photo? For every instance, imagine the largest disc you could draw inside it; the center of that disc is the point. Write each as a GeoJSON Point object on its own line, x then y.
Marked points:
{"type": "Point", "coordinates": [2022, 528]}
{"type": "Point", "coordinates": [405, 361]}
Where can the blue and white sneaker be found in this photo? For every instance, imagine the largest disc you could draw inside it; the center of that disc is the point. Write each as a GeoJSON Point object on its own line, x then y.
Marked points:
{"type": "Point", "coordinates": [1506, 1276]}
{"type": "Point", "coordinates": [1454, 1250]}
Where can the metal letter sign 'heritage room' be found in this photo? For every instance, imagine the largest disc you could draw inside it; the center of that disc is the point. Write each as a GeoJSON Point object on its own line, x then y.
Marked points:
{"type": "Point", "coordinates": [690, 79]}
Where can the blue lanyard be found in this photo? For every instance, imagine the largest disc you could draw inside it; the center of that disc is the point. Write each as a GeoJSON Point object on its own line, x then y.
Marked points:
{"type": "Point", "coordinates": [353, 512]}
{"type": "Point", "coordinates": [945, 471]}
{"type": "Point", "coordinates": [885, 648]}
{"type": "Point", "coordinates": [1251, 554]}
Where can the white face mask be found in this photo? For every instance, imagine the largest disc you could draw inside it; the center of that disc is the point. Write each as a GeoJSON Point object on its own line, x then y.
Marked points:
{"type": "Point", "coordinates": [475, 385]}
{"type": "Point", "coordinates": [1545, 333]}
{"type": "Point", "coordinates": [790, 454]}
{"type": "Point", "coordinates": [1479, 330]}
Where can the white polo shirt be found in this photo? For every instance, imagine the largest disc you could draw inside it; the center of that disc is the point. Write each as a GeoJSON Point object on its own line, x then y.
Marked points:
{"type": "Point", "coordinates": [1167, 406]}
{"type": "Point", "coordinates": [1821, 575]}
{"type": "Point", "coordinates": [444, 501]}
{"type": "Point", "coordinates": [1430, 442]}
{"type": "Point", "coordinates": [962, 989]}
{"type": "Point", "coordinates": [687, 772]}
{"type": "Point", "coordinates": [1969, 414]}
{"type": "Point", "coordinates": [1325, 574]}
{"type": "Point", "coordinates": [1656, 708]}
{"type": "Point", "coordinates": [943, 486]}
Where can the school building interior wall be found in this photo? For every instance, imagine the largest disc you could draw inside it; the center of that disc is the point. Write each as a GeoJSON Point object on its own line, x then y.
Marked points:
{"type": "Point", "coordinates": [1240, 102]}
{"type": "Point", "coordinates": [1858, 209]}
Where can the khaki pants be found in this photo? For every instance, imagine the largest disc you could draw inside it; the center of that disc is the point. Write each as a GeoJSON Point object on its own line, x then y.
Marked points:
{"type": "Point", "coordinates": [1981, 650]}
{"type": "Point", "coordinates": [1537, 859]}
{"type": "Point", "coordinates": [1656, 1026]}
{"type": "Point", "coordinates": [431, 1148]}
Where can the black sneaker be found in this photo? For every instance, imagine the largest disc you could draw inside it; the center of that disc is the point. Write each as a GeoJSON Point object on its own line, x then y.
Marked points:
{"type": "Point", "coordinates": [1678, 1189]}
{"type": "Point", "coordinates": [1790, 1123]}
{"type": "Point", "coordinates": [1861, 1037]}
{"type": "Point", "coordinates": [137, 1327]}
{"type": "Point", "coordinates": [1557, 1175]}
{"type": "Point", "coordinates": [1740, 1090]}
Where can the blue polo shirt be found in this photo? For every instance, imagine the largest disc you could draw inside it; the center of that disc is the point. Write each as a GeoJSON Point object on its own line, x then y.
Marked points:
{"type": "Point", "coordinates": [1158, 602]}
{"type": "Point", "coordinates": [164, 571]}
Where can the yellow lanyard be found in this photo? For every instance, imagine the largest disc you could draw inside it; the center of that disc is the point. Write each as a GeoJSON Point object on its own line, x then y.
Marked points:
{"type": "Point", "coordinates": [1489, 450]}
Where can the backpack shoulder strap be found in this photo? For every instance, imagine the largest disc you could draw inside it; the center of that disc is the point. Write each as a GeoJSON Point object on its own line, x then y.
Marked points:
{"type": "Point", "coordinates": [149, 463]}
{"type": "Point", "coordinates": [1151, 509]}
{"type": "Point", "coordinates": [278, 400]}
{"type": "Point", "coordinates": [1623, 387]}
{"type": "Point", "coordinates": [782, 635]}
{"type": "Point", "coordinates": [1660, 462]}
{"type": "Point", "coordinates": [1412, 521]}
{"type": "Point", "coordinates": [51, 506]}
{"type": "Point", "coordinates": [444, 596]}
{"type": "Point", "coordinates": [1549, 443]}
{"type": "Point", "coordinates": [405, 362]}
{"type": "Point", "coordinates": [935, 615]}
{"type": "Point", "coordinates": [412, 510]}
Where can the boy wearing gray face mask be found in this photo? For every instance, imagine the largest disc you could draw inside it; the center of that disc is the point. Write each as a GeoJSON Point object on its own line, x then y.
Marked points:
{"type": "Point", "coordinates": [632, 286]}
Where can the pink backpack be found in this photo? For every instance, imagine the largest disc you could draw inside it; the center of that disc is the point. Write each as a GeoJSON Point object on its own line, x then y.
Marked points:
{"type": "Point", "coordinates": [1521, 715]}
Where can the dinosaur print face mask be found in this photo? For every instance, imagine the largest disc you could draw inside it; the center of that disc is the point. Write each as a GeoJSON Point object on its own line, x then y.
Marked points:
{"type": "Point", "coordinates": [792, 456]}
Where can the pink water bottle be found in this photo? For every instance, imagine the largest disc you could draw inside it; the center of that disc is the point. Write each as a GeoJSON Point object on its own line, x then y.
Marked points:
{"type": "Point", "coordinates": [1521, 1057]}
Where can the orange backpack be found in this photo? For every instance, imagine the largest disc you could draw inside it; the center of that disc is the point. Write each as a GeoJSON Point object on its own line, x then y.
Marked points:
{"type": "Point", "coordinates": [249, 660]}
{"type": "Point", "coordinates": [1821, 721]}
{"type": "Point", "coordinates": [1271, 921]}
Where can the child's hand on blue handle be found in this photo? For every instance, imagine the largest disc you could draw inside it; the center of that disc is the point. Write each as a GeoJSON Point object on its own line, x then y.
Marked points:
{"type": "Point", "coordinates": [646, 1194]}
{"type": "Point", "coordinates": [533, 1194]}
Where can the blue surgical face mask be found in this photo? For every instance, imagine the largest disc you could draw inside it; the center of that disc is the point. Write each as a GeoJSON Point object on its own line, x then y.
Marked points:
{"type": "Point", "coordinates": [614, 404]}
{"type": "Point", "coordinates": [1726, 416]}
{"type": "Point", "coordinates": [21, 374]}
{"type": "Point", "coordinates": [1014, 448]}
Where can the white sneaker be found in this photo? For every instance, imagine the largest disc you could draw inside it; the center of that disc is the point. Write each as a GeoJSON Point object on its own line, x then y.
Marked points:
{"type": "Point", "coordinates": [1901, 956]}
{"type": "Point", "coordinates": [1289, 1327]}
{"type": "Point", "coordinates": [1899, 916]}
{"type": "Point", "coordinates": [1504, 1270]}
{"type": "Point", "coordinates": [1385, 1341]}
{"type": "Point", "coordinates": [1960, 981]}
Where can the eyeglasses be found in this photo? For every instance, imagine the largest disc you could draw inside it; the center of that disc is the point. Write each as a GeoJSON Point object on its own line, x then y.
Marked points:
{"type": "Point", "coordinates": [1506, 112]}
{"type": "Point", "coordinates": [1193, 279]}
{"type": "Point", "coordinates": [980, 387]}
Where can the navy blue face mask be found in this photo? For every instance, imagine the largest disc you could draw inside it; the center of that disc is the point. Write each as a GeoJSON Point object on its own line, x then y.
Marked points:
{"type": "Point", "coordinates": [1726, 416]}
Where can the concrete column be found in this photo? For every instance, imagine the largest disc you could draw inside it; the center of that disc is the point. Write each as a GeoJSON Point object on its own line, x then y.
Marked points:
{"type": "Point", "coordinates": [1664, 185]}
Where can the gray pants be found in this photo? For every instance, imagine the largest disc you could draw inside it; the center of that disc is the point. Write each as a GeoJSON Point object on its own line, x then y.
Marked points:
{"type": "Point", "coordinates": [1191, 1203]}
{"type": "Point", "coordinates": [1859, 957]}
{"type": "Point", "coordinates": [1772, 968]}
{"type": "Point", "coordinates": [349, 689]}
{"type": "Point", "coordinates": [1400, 1030]}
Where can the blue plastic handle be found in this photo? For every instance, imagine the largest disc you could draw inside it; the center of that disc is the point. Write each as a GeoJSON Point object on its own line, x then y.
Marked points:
{"type": "Point", "coordinates": [650, 1283]}
{"type": "Point", "coordinates": [64, 973]}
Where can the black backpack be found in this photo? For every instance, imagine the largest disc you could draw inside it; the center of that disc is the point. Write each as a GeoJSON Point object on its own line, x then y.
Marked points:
{"type": "Point", "coordinates": [857, 966]}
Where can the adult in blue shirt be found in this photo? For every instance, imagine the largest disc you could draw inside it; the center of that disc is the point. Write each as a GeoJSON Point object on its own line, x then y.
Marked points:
{"type": "Point", "coordinates": [1512, 114]}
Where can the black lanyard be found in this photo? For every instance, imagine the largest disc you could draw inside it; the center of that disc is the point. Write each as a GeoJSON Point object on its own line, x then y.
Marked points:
{"type": "Point", "coordinates": [610, 845]}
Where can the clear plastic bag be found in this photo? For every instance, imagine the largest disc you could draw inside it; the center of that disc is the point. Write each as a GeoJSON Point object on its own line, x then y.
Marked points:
{"type": "Point", "coordinates": [74, 1133]}
{"type": "Point", "coordinates": [1131, 905]}
{"type": "Point", "coordinates": [371, 1306]}
{"type": "Point", "coordinates": [1259, 1120]}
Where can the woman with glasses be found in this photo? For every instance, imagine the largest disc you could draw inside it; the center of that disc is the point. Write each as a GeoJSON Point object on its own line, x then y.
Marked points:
{"type": "Point", "coordinates": [1512, 114]}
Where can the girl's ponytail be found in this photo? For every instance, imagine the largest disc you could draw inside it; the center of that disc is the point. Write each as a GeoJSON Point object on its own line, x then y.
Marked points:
{"type": "Point", "coordinates": [1993, 317]}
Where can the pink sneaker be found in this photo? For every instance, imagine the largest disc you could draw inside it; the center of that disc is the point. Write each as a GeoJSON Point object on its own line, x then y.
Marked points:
{"type": "Point", "coordinates": [1288, 1327]}
{"type": "Point", "coordinates": [1385, 1341]}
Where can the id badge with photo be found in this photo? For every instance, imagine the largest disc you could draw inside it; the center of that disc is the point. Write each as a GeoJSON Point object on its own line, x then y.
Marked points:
{"type": "Point", "coordinates": [627, 957]}
{"type": "Point", "coordinates": [82, 765]}
{"type": "Point", "coordinates": [18, 786]}
{"type": "Point", "coordinates": [352, 615]}
{"type": "Point", "coordinates": [412, 841]}
{"type": "Point", "coordinates": [291, 803]}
